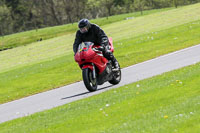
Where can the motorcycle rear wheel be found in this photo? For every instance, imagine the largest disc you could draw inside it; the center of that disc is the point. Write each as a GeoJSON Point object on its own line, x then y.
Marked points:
{"type": "Point", "coordinates": [89, 81]}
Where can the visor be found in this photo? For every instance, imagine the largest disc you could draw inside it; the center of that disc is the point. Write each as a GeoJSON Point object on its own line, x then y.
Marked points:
{"type": "Point", "coordinates": [84, 29]}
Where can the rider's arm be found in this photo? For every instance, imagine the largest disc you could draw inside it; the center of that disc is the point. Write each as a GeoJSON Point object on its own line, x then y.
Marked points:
{"type": "Point", "coordinates": [102, 36]}
{"type": "Point", "coordinates": [76, 42]}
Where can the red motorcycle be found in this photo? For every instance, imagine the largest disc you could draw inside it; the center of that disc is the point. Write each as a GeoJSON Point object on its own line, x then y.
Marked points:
{"type": "Point", "coordinates": [96, 69]}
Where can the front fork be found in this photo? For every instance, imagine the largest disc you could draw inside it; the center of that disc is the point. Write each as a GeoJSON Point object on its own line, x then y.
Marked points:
{"type": "Point", "coordinates": [91, 67]}
{"type": "Point", "coordinates": [94, 72]}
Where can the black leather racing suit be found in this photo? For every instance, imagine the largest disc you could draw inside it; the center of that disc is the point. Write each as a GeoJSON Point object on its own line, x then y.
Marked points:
{"type": "Point", "coordinates": [96, 35]}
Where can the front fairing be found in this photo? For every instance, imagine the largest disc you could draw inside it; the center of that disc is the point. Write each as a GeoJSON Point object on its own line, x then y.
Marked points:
{"type": "Point", "coordinates": [84, 53]}
{"type": "Point", "coordinates": [87, 55]}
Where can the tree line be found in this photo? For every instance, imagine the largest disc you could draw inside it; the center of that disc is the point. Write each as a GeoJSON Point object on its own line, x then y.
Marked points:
{"type": "Point", "coordinates": [23, 15]}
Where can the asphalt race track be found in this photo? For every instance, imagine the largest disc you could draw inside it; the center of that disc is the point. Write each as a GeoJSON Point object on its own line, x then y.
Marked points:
{"type": "Point", "coordinates": [76, 91]}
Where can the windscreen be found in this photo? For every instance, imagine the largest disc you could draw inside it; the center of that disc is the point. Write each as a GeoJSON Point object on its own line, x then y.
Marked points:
{"type": "Point", "coordinates": [84, 46]}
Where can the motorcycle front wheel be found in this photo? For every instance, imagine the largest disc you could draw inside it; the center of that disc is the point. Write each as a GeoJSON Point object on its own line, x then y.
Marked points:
{"type": "Point", "coordinates": [89, 81]}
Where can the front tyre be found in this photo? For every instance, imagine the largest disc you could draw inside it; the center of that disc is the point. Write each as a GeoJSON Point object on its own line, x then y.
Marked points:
{"type": "Point", "coordinates": [89, 81]}
{"type": "Point", "coordinates": [116, 77]}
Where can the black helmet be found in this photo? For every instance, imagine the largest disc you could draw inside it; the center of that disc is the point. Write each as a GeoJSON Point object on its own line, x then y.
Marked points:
{"type": "Point", "coordinates": [84, 25]}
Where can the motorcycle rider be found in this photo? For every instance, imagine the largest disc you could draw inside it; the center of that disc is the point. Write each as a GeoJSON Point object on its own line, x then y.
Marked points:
{"type": "Point", "coordinates": [89, 32]}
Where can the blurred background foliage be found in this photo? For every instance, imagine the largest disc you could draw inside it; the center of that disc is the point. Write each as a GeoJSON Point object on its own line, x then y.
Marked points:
{"type": "Point", "coordinates": [22, 15]}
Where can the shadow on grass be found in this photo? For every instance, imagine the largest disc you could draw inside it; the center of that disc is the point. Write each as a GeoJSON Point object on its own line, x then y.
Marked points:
{"type": "Point", "coordinates": [81, 94]}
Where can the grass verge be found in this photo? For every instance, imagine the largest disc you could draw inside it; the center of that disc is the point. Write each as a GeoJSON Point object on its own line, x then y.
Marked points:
{"type": "Point", "coordinates": [165, 103]}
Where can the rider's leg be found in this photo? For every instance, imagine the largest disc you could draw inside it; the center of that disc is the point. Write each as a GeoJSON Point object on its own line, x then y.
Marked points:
{"type": "Point", "coordinates": [109, 55]}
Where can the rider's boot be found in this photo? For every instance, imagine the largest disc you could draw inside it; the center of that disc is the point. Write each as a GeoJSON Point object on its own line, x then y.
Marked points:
{"type": "Point", "coordinates": [115, 63]}
{"type": "Point", "coordinates": [109, 55]}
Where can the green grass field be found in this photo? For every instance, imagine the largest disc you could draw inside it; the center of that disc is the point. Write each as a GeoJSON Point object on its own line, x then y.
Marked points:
{"type": "Point", "coordinates": [163, 104]}
{"type": "Point", "coordinates": [49, 64]}
{"type": "Point", "coordinates": [25, 38]}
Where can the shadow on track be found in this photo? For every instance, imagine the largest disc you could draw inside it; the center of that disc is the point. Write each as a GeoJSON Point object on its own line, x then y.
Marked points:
{"type": "Point", "coordinates": [86, 92]}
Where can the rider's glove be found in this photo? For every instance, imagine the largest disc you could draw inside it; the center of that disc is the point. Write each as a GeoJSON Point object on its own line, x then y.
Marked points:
{"type": "Point", "coordinates": [101, 48]}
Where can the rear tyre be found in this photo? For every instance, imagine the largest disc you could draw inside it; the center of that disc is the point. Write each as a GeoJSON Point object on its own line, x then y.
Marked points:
{"type": "Point", "coordinates": [116, 77]}
{"type": "Point", "coordinates": [89, 81]}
